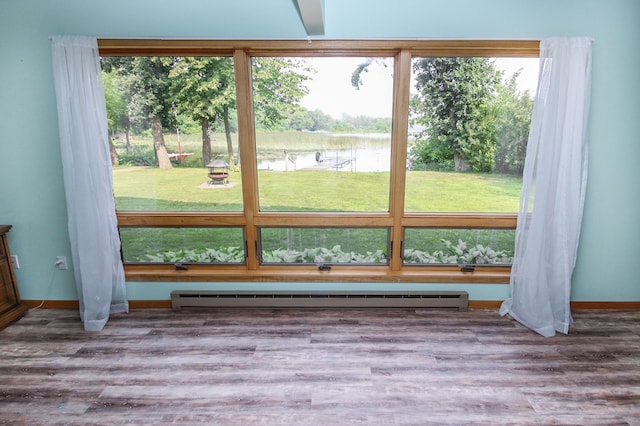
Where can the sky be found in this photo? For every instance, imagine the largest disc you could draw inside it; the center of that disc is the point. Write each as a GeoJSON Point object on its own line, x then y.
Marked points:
{"type": "Point", "coordinates": [331, 90]}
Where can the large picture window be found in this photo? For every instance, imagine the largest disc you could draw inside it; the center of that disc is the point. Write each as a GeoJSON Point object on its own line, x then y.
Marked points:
{"type": "Point", "coordinates": [325, 161]}
{"type": "Point", "coordinates": [335, 152]}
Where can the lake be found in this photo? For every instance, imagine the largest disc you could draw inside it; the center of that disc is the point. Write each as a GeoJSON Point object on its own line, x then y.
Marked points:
{"type": "Point", "coordinates": [341, 152]}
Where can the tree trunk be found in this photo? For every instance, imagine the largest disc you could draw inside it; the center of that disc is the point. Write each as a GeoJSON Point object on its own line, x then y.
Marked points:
{"type": "Point", "coordinates": [206, 142]}
{"type": "Point", "coordinates": [462, 165]}
{"type": "Point", "coordinates": [113, 152]}
{"type": "Point", "coordinates": [227, 132]}
{"type": "Point", "coordinates": [162, 157]}
{"type": "Point", "coordinates": [126, 136]}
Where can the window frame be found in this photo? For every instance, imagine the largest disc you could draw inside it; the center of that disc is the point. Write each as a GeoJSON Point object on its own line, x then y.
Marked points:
{"type": "Point", "coordinates": [251, 219]}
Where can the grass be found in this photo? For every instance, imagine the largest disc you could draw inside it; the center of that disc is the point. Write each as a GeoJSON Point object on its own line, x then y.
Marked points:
{"type": "Point", "coordinates": [185, 189]}
{"type": "Point", "coordinates": [182, 189]}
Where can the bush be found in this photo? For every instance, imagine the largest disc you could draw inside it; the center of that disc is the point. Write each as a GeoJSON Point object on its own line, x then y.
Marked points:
{"type": "Point", "coordinates": [459, 254]}
{"type": "Point", "coordinates": [431, 154]}
{"type": "Point", "coordinates": [322, 255]}
{"type": "Point", "coordinates": [223, 255]}
{"type": "Point", "coordinates": [236, 255]}
{"type": "Point", "coordinates": [138, 156]}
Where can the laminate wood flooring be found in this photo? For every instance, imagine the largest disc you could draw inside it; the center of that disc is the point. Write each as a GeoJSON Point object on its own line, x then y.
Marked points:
{"type": "Point", "coordinates": [318, 367]}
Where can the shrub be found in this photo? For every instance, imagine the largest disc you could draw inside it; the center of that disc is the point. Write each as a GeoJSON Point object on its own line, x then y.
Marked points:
{"type": "Point", "coordinates": [223, 255]}
{"type": "Point", "coordinates": [322, 255]}
{"type": "Point", "coordinates": [236, 255]}
{"type": "Point", "coordinates": [459, 254]}
{"type": "Point", "coordinates": [138, 156]}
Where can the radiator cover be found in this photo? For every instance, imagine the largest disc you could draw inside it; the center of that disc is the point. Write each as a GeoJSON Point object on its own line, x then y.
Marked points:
{"type": "Point", "coordinates": [181, 299]}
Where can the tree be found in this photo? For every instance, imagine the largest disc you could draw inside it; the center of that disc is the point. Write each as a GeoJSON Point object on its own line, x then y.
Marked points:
{"type": "Point", "coordinates": [277, 88]}
{"type": "Point", "coordinates": [204, 87]}
{"type": "Point", "coordinates": [513, 121]}
{"type": "Point", "coordinates": [116, 111]}
{"type": "Point", "coordinates": [321, 121]}
{"type": "Point", "coordinates": [158, 89]}
{"type": "Point", "coordinates": [301, 119]}
{"type": "Point", "coordinates": [454, 106]}
{"type": "Point", "coordinates": [146, 86]}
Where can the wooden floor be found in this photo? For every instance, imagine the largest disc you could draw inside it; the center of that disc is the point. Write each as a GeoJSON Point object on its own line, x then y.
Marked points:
{"type": "Point", "coordinates": [311, 367]}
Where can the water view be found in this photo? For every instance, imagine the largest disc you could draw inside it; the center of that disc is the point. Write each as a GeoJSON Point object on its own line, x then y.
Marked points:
{"type": "Point", "coordinates": [364, 153]}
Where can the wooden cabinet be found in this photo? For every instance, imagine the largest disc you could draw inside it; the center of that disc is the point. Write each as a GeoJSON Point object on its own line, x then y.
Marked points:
{"type": "Point", "coordinates": [10, 307]}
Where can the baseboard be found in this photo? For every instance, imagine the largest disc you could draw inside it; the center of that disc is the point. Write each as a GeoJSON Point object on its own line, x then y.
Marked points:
{"type": "Point", "coordinates": [485, 304]}
{"type": "Point", "coordinates": [473, 304]}
{"type": "Point", "coordinates": [73, 304]}
{"type": "Point", "coordinates": [631, 306]}
{"type": "Point", "coordinates": [576, 305]}
{"type": "Point", "coordinates": [149, 304]}
{"type": "Point", "coordinates": [51, 304]}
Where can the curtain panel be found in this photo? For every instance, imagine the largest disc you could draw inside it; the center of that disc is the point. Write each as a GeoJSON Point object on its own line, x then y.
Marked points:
{"type": "Point", "coordinates": [86, 163]}
{"type": "Point", "coordinates": [553, 189]}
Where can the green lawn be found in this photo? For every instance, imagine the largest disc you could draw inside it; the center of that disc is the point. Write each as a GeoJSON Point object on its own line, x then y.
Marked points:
{"type": "Point", "coordinates": [186, 189]}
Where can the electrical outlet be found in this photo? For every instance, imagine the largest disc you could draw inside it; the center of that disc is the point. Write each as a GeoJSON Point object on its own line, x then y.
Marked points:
{"type": "Point", "coordinates": [61, 262]}
{"type": "Point", "coordinates": [14, 261]}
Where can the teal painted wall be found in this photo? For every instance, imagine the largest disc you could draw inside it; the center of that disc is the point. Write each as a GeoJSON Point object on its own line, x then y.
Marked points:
{"type": "Point", "coordinates": [31, 186]}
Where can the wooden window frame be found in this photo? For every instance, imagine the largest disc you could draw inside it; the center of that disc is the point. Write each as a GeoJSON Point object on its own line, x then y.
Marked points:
{"type": "Point", "coordinates": [251, 218]}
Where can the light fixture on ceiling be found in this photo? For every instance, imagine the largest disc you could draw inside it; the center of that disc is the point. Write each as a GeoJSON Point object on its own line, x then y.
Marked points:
{"type": "Point", "coordinates": [312, 15]}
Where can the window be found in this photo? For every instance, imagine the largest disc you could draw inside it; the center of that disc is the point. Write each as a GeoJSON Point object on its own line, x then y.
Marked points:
{"type": "Point", "coordinates": [334, 156]}
{"type": "Point", "coordinates": [219, 245]}
{"type": "Point", "coordinates": [330, 161]}
{"type": "Point", "coordinates": [324, 246]}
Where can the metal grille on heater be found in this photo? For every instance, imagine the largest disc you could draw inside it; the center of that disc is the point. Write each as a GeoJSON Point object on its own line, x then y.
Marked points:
{"type": "Point", "coordinates": [181, 299]}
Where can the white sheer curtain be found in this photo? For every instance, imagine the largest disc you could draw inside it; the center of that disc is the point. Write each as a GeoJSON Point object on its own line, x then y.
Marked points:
{"type": "Point", "coordinates": [554, 182]}
{"type": "Point", "coordinates": [93, 232]}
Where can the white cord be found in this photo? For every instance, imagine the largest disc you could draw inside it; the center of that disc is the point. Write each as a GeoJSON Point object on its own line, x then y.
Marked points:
{"type": "Point", "coordinates": [46, 296]}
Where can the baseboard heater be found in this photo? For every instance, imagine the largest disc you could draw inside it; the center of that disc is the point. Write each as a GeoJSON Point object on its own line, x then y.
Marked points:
{"type": "Point", "coordinates": [457, 300]}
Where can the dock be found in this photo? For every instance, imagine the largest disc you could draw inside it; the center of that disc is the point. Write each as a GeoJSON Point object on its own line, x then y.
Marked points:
{"type": "Point", "coordinates": [331, 163]}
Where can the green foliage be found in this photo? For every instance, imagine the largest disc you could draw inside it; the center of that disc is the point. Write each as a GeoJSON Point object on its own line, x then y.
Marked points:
{"type": "Point", "coordinates": [138, 156]}
{"type": "Point", "coordinates": [301, 119]}
{"type": "Point", "coordinates": [145, 86]}
{"type": "Point", "coordinates": [202, 86]}
{"type": "Point", "coordinates": [356, 76]}
{"type": "Point", "coordinates": [364, 124]}
{"type": "Point", "coordinates": [204, 89]}
{"type": "Point", "coordinates": [459, 254]}
{"type": "Point", "coordinates": [432, 154]}
{"type": "Point", "coordinates": [453, 105]}
{"type": "Point", "coordinates": [185, 92]}
{"type": "Point", "coordinates": [222, 255]}
{"type": "Point", "coordinates": [513, 121]}
{"type": "Point", "coordinates": [362, 68]}
{"type": "Point", "coordinates": [321, 121]}
{"type": "Point", "coordinates": [277, 88]}
{"type": "Point", "coordinates": [187, 125]}
{"type": "Point", "coordinates": [322, 255]}
{"type": "Point", "coordinates": [115, 102]}
{"type": "Point", "coordinates": [236, 255]}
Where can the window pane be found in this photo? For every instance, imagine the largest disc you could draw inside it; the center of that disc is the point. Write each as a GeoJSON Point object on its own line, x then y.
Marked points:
{"type": "Point", "coordinates": [185, 245]}
{"type": "Point", "coordinates": [458, 246]}
{"type": "Point", "coordinates": [323, 144]}
{"type": "Point", "coordinates": [470, 121]}
{"type": "Point", "coordinates": [324, 245]}
{"type": "Point", "coordinates": [169, 118]}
